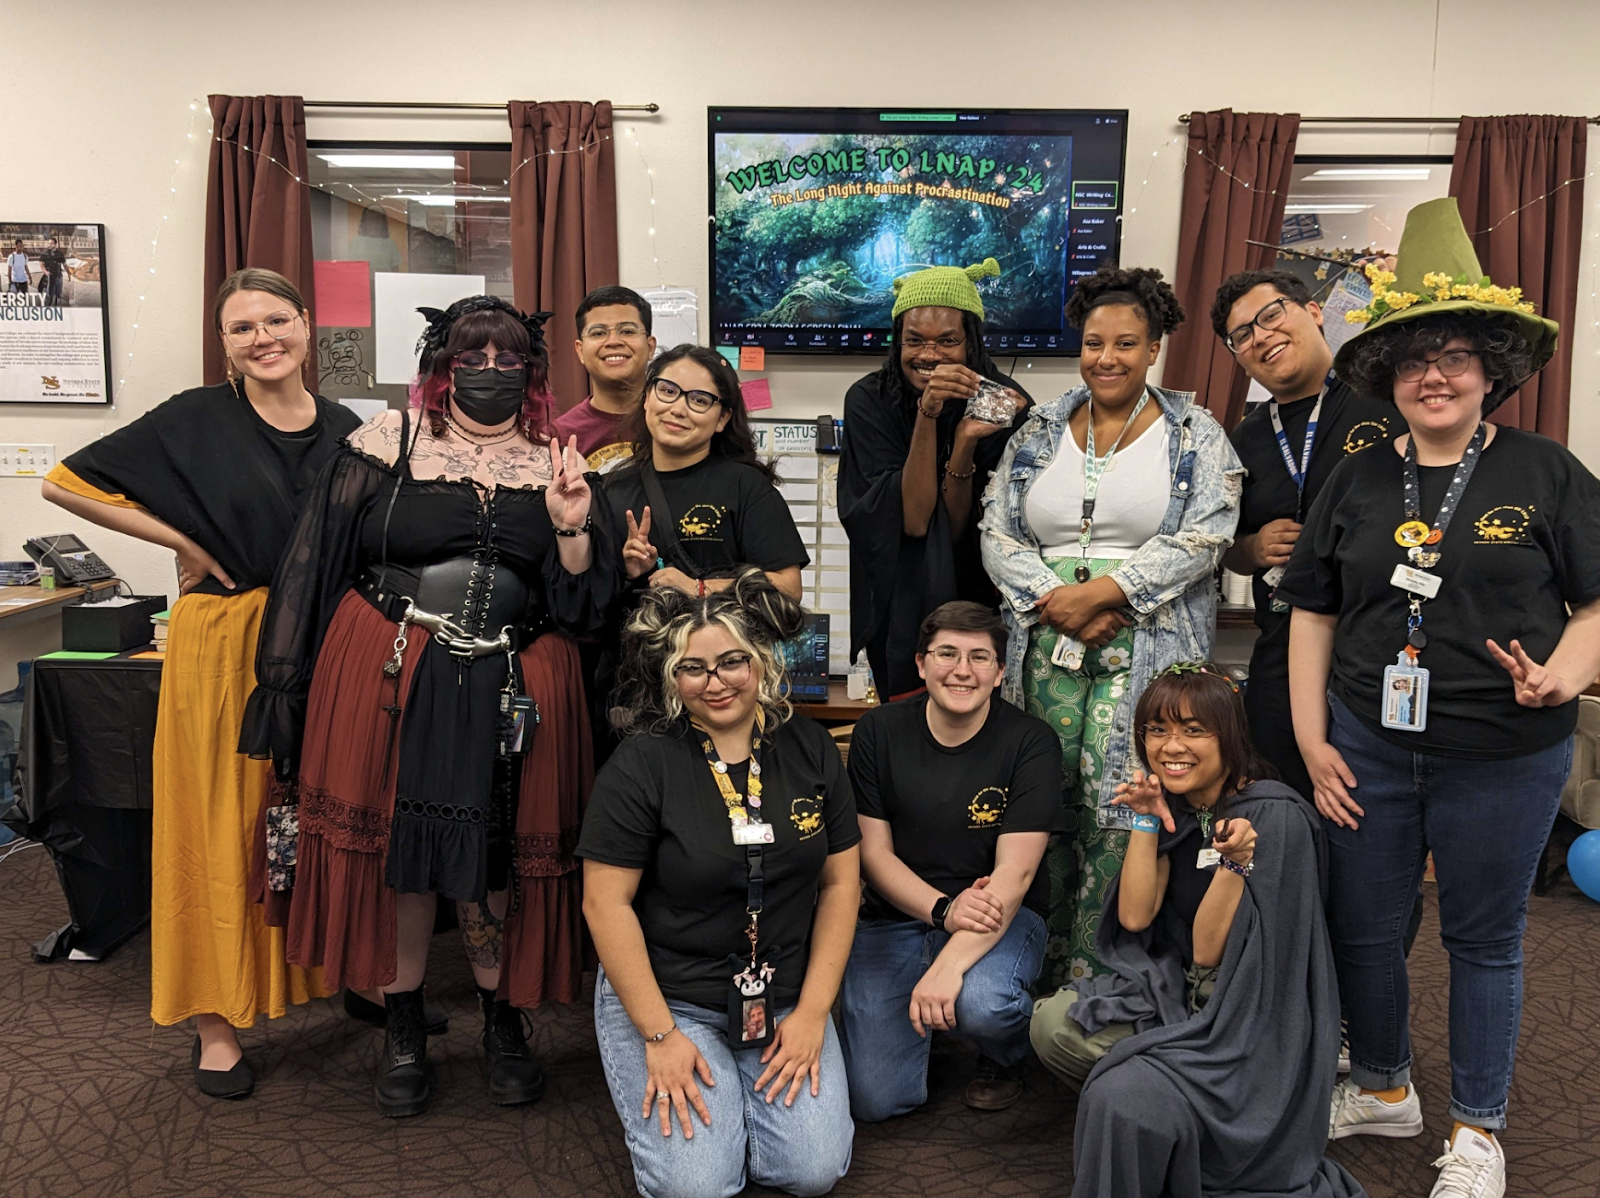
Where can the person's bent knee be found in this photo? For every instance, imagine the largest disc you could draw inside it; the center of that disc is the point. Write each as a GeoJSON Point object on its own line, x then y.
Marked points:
{"type": "Point", "coordinates": [872, 1101]}
{"type": "Point", "coordinates": [685, 1176]}
{"type": "Point", "coordinates": [817, 1171]}
{"type": "Point", "coordinates": [1059, 1041]}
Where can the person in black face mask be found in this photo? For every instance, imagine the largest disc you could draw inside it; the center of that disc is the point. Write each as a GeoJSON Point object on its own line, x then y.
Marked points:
{"type": "Point", "coordinates": [416, 687]}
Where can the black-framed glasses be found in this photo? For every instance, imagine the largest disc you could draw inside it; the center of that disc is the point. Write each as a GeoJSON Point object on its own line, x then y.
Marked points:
{"type": "Point", "coordinates": [1451, 364]}
{"type": "Point", "coordinates": [241, 334]}
{"type": "Point", "coordinates": [505, 360]}
{"type": "Point", "coordinates": [599, 334]}
{"type": "Point", "coordinates": [948, 656]}
{"type": "Point", "coordinates": [1162, 732]}
{"type": "Point", "coordinates": [1268, 318]}
{"type": "Point", "coordinates": [732, 668]}
{"type": "Point", "coordinates": [668, 393]}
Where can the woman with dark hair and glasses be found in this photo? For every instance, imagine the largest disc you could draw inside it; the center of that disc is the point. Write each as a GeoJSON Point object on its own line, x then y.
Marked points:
{"type": "Point", "coordinates": [1447, 616]}
{"type": "Point", "coordinates": [913, 465]}
{"type": "Point", "coordinates": [1203, 1055]}
{"type": "Point", "coordinates": [721, 881]}
{"type": "Point", "coordinates": [696, 501]}
{"type": "Point", "coordinates": [412, 684]}
{"type": "Point", "coordinates": [217, 475]}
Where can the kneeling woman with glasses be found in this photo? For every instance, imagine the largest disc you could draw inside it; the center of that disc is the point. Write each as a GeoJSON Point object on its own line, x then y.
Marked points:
{"type": "Point", "coordinates": [721, 880]}
{"type": "Point", "coordinates": [696, 502]}
{"type": "Point", "coordinates": [1206, 1049]}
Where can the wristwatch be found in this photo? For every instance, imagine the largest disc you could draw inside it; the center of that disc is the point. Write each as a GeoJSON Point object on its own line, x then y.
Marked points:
{"type": "Point", "coordinates": [941, 908]}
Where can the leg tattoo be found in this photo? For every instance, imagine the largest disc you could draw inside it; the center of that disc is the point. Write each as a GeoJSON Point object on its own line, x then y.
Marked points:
{"type": "Point", "coordinates": [481, 933]}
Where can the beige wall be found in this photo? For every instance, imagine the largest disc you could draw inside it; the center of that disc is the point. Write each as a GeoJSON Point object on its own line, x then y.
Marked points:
{"type": "Point", "coordinates": [98, 133]}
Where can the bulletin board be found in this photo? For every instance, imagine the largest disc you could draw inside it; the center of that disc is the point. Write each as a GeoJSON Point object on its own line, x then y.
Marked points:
{"type": "Point", "coordinates": [809, 481]}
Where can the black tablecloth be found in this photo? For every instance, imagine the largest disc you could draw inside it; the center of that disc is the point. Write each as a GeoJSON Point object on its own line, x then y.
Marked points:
{"type": "Point", "coordinates": [86, 789]}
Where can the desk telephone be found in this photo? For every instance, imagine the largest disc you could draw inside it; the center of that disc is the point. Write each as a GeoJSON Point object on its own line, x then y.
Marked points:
{"type": "Point", "coordinates": [74, 562]}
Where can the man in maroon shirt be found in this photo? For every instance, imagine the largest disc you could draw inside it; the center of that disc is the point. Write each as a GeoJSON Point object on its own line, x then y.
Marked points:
{"type": "Point", "coordinates": [615, 346]}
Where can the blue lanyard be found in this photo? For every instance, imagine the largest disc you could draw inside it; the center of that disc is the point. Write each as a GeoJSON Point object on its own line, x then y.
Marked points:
{"type": "Point", "coordinates": [1298, 477]}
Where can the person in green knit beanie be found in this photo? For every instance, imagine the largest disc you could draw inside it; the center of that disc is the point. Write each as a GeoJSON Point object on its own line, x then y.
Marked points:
{"type": "Point", "coordinates": [912, 466]}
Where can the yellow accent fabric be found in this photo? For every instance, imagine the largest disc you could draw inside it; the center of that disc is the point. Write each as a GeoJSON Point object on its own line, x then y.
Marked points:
{"type": "Point", "coordinates": [210, 949]}
{"type": "Point", "coordinates": [68, 481]}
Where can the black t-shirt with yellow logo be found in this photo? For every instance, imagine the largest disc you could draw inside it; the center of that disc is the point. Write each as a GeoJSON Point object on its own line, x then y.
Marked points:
{"type": "Point", "coordinates": [947, 807]}
{"type": "Point", "coordinates": [726, 514]}
{"type": "Point", "coordinates": [1349, 423]}
{"type": "Point", "coordinates": [656, 808]}
{"type": "Point", "coordinates": [1524, 545]}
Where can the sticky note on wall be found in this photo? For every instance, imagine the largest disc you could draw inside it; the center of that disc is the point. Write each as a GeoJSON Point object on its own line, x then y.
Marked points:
{"type": "Point", "coordinates": [752, 357]}
{"type": "Point", "coordinates": [730, 354]}
{"type": "Point", "coordinates": [757, 394]}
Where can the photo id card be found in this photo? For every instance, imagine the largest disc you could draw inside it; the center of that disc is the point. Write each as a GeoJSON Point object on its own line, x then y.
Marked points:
{"type": "Point", "coordinates": [1068, 653]}
{"type": "Point", "coordinates": [1405, 695]}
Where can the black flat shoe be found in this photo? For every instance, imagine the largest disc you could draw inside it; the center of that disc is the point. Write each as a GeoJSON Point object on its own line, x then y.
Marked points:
{"type": "Point", "coordinates": [373, 1014]}
{"type": "Point", "coordinates": [237, 1082]}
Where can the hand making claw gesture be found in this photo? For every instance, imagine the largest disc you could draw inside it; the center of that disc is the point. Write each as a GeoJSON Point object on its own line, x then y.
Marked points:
{"type": "Point", "coordinates": [1144, 796]}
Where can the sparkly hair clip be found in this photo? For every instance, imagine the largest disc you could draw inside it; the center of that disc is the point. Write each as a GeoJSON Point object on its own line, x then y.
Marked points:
{"type": "Point", "coordinates": [440, 323]}
{"type": "Point", "coordinates": [1179, 668]}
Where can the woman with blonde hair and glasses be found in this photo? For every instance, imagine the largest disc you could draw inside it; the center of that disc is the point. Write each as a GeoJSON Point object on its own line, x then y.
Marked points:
{"type": "Point", "coordinates": [218, 475]}
{"type": "Point", "coordinates": [721, 881]}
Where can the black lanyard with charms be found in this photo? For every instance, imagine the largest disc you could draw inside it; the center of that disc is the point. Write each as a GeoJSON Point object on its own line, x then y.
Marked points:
{"type": "Point", "coordinates": [1404, 701]}
{"type": "Point", "coordinates": [750, 1012]}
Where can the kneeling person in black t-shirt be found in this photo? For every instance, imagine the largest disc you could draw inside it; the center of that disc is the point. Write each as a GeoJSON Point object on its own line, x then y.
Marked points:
{"type": "Point", "coordinates": [957, 793]}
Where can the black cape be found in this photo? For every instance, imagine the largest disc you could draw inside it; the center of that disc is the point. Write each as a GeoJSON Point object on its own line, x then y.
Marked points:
{"type": "Point", "coordinates": [896, 580]}
{"type": "Point", "coordinates": [1233, 1100]}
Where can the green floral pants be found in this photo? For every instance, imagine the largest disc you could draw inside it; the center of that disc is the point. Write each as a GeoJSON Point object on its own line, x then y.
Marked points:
{"type": "Point", "coordinates": [1082, 859]}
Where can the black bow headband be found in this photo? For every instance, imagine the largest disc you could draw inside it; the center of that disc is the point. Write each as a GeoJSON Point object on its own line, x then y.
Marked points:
{"type": "Point", "coordinates": [440, 323]}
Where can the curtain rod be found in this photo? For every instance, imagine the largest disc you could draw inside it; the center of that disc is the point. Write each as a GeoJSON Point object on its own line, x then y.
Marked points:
{"type": "Point", "coordinates": [454, 107]}
{"type": "Point", "coordinates": [1183, 119]}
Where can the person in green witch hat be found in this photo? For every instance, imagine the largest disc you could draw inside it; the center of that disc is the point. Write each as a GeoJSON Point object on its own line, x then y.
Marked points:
{"type": "Point", "coordinates": [912, 467]}
{"type": "Point", "coordinates": [1464, 562]}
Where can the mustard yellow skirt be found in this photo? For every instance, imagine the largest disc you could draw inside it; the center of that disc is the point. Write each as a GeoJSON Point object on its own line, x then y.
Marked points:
{"type": "Point", "coordinates": [210, 950]}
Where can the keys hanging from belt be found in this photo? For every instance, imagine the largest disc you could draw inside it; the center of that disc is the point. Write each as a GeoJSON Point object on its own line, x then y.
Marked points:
{"type": "Point", "coordinates": [511, 721]}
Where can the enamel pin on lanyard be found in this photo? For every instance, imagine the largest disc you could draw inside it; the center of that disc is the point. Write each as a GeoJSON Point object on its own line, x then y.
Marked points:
{"type": "Point", "coordinates": [1404, 701]}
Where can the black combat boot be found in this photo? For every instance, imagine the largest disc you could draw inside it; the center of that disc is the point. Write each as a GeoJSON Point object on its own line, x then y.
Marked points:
{"type": "Point", "coordinates": [404, 1086]}
{"type": "Point", "coordinates": [509, 1066]}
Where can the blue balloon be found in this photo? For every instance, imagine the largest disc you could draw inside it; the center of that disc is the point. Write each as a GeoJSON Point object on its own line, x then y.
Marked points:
{"type": "Point", "coordinates": [1583, 863]}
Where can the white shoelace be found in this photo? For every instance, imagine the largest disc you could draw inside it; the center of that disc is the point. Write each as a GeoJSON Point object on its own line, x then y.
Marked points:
{"type": "Point", "coordinates": [1467, 1175]}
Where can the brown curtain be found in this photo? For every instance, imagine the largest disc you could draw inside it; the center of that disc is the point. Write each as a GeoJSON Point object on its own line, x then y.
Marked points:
{"type": "Point", "coordinates": [258, 211]}
{"type": "Point", "coordinates": [563, 221]}
{"type": "Point", "coordinates": [1235, 184]}
{"type": "Point", "coordinates": [1513, 178]}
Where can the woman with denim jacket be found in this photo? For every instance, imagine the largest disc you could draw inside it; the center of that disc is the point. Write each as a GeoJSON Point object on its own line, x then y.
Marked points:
{"type": "Point", "coordinates": [1103, 525]}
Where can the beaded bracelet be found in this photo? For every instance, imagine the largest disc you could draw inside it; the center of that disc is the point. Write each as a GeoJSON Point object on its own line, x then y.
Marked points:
{"type": "Point", "coordinates": [949, 473]}
{"type": "Point", "coordinates": [1243, 871]}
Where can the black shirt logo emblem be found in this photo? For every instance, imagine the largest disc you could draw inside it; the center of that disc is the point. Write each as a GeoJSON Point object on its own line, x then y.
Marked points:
{"type": "Point", "coordinates": [987, 806]}
{"type": "Point", "coordinates": [1364, 433]}
{"type": "Point", "coordinates": [1507, 524]}
{"type": "Point", "coordinates": [702, 522]}
{"type": "Point", "coordinates": [805, 813]}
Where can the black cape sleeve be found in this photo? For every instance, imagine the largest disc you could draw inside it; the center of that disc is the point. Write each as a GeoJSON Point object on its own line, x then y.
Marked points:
{"type": "Point", "coordinates": [317, 569]}
{"type": "Point", "coordinates": [581, 603]}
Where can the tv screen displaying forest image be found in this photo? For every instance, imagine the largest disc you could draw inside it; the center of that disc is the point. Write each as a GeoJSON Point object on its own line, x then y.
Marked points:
{"type": "Point", "coordinates": [815, 213]}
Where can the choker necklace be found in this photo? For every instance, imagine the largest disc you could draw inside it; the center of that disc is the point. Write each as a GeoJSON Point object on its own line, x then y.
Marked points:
{"type": "Point", "coordinates": [480, 439]}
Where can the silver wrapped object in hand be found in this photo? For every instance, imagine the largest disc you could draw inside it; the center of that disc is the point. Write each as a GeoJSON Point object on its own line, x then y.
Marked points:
{"type": "Point", "coordinates": [993, 404]}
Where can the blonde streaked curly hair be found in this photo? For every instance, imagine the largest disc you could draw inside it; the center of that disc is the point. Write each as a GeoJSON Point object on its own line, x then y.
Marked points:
{"type": "Point", "coordinates": [756, 614]}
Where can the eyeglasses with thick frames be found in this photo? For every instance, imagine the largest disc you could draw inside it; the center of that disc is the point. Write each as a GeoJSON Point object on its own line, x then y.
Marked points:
{"type": "Point", "coordinates": [1160, 732]}
{"type": "Point", "coordinates": [733, 669]}
{"type": "Point", "coordinates": [668, 393]}
{"type": "Point", "coordinates": [241, 334]}
{"type": "Point", "coordinates": [948, 657]}
{"type": "Point", "coordinates": [1452, 365]}
{"type": "Point", "coordinates": [599, 334]}
{"type": "Point", "coordinates": [476, 359]}
{"type": "Point", "coordinates": [1267, 319]}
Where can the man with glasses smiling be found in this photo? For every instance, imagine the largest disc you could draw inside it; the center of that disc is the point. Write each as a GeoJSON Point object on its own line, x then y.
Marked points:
{"type": "Point", "coordinates": [1289, 446]}
{"type": "Point", "coordinates": [615, 346]}
{"type": "Point", "coordinates": [957, 794]}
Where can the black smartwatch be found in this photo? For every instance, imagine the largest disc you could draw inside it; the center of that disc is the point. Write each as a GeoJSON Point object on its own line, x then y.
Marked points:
{"type": "Point", "coordinates": [941, 908]}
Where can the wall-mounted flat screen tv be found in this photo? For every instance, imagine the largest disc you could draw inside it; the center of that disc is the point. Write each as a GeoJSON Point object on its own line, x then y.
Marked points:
{"type": "Point", "coordinates": [816, 211]}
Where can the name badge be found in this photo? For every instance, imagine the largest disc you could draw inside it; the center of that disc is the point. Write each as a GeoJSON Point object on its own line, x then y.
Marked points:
{"type": "Point", "coordinates": [752, 832]}
{"type": "Point", "coordinates": [1068, 653]}
{"type": "Point", "coordinates": [1208, 859]}
{"type": "Point", "coordinates": [1415, 581]}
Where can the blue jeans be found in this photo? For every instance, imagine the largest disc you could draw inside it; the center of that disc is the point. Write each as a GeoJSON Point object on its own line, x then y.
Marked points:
{"type": "Point", "coordinates": [1487, 823]}
{"type": "Point", "coordinates": [886, 1060]}
{"type": "Point", "coordinates": [804, 1149]}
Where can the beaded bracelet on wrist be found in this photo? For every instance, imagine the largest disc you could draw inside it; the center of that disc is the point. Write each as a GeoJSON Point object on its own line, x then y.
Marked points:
{"type": "Point", "coordinates": [1233, 866]}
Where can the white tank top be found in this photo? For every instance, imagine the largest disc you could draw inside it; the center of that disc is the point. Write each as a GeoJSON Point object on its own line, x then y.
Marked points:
{"type": "Point", "coordinates": [1128, 509]}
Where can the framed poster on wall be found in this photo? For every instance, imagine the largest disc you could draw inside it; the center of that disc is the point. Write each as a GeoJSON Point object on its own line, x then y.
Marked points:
{"type": "Point", "coordinates": [55, 344]}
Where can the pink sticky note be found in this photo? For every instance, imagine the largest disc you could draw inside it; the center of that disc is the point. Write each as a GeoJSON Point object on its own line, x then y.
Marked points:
{"type": "Point", "coordinates": [752, 357]}
{"type": "Point", "coordinates": [757, 394]}
{"type": "Point", "coordinates": [344, 295]}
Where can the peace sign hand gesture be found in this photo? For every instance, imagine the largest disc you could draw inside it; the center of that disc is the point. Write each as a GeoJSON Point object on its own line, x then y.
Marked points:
{"type": "Point", "coordinates": [1536, 686]}
{"type": "Point", "coordinates": [567, 497]}
{"type": "Point", "coordinates": [639, 556]}
{"type": "Point", "coordinates": [1144, 796]}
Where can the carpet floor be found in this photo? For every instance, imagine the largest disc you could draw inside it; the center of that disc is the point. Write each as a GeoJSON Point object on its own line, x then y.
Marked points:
{"type": "Point", "coordinates": [94, 1100]}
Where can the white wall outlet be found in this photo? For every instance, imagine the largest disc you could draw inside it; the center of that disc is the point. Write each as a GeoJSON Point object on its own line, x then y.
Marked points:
{"type": "Point", "coordinates": [26, 461]}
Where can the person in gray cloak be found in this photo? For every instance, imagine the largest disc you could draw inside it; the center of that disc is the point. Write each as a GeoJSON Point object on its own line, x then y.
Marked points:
{"type": "Point", "coordinates": [1206, 1057]}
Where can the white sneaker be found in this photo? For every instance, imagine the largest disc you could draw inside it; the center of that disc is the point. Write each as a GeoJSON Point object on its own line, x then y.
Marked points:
{"type": "Point", "coordinates": [1353, 1113]}
{"type": "Point", "coordinates": [1344, 1055]}
{"type": "Point", "coordinates": [1473, 1166]}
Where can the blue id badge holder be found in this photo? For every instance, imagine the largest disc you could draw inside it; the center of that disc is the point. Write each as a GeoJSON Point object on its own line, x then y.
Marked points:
{"type": "Point", "coordinates": [1405, 694]}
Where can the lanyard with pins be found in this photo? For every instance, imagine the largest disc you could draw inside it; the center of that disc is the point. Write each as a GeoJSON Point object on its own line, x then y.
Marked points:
{"type": "Point", "coordinates": [1423, 544]}
{"type": "Point", "coordinates": [1094, 469]}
